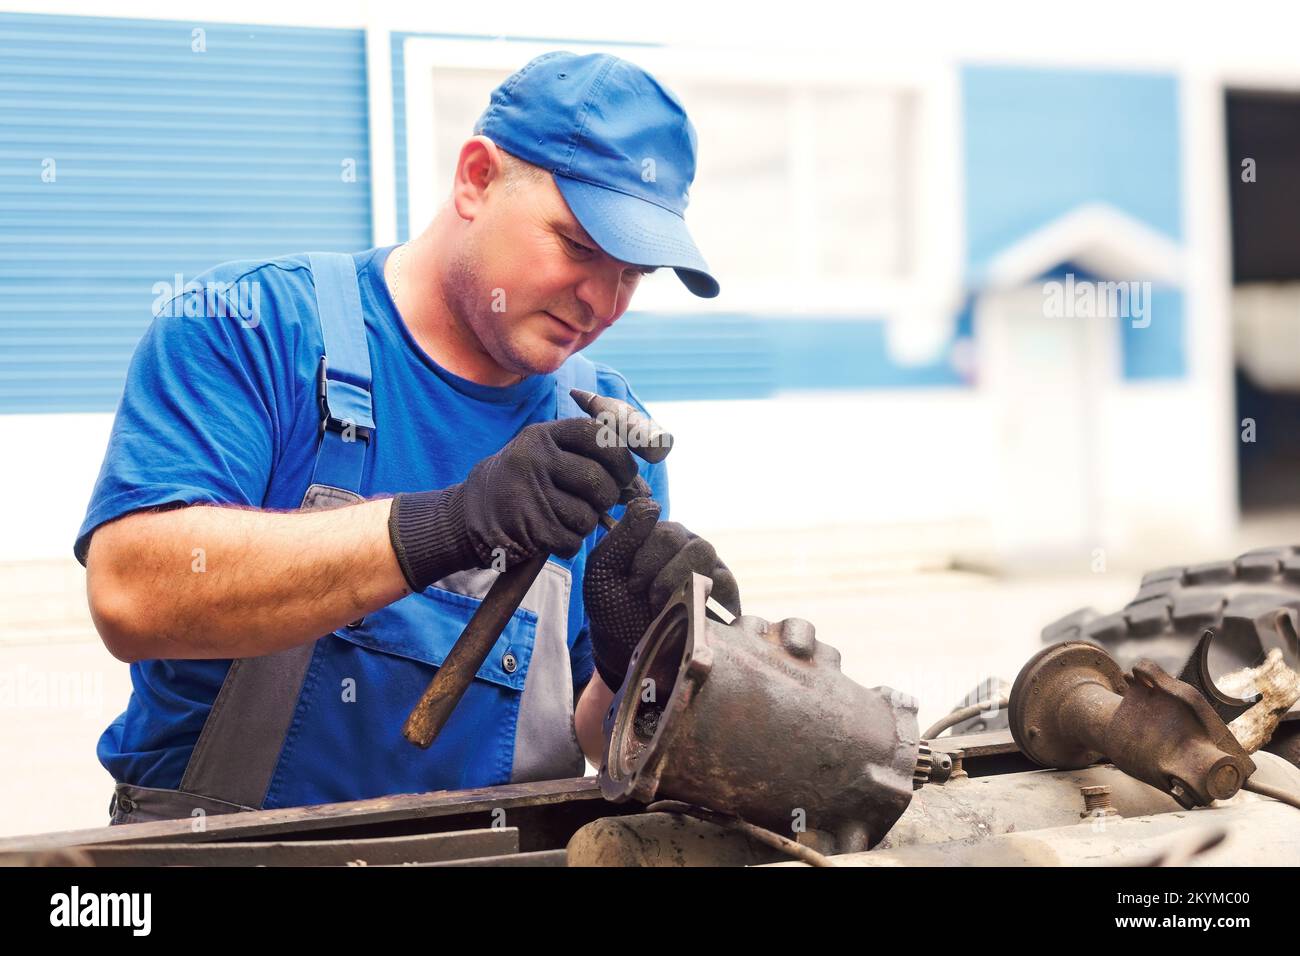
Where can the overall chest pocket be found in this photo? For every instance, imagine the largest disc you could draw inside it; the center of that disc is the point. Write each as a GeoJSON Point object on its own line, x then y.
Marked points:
{"type": "Point", "coordinates": [424, 627]}
{"type": "Point", "coordinates": [515, 721]}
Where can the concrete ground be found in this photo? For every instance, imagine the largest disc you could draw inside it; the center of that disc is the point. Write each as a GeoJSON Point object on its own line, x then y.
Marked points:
{"type": "Point", "coordinates": [903, 621]}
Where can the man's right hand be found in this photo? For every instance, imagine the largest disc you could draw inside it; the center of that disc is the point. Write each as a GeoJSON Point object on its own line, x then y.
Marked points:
{"type": "Point", "coordinates": [543, 492]}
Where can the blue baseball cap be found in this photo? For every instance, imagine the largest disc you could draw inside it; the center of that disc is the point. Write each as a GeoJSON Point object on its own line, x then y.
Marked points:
{"type": "Point", "coordinates": [621, 150]}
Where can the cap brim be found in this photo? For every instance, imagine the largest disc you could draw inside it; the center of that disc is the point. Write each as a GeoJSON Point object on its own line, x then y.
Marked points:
{"type": "Point", "coordinates": [638, 232]}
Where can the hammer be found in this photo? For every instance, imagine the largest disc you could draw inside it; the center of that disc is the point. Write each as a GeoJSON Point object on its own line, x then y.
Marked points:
{"type": "Point", "coordinates": [627, 427]}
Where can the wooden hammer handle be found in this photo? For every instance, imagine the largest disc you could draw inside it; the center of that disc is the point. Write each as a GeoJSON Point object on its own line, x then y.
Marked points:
{"type": "Point", "coordinates": [471, 649]}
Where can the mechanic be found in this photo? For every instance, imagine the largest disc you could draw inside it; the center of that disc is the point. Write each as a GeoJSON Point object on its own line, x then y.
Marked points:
{"type": "Point", "coordinates": [362, 457]}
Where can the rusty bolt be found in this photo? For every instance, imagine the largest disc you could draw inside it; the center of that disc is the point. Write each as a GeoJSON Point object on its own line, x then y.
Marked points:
{"type": "Point", "coordinates": [958, 769]}
{"type": "Point", "coordinates": [1096, 802]}
{"type": "Point", "coordinates": [1224, 781]}
{"type": "Point", "coordinates": [798, 637]}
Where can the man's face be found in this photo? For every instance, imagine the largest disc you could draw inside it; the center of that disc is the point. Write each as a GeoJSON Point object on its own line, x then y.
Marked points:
{"type": "Point", "coordinates": [530, 282]}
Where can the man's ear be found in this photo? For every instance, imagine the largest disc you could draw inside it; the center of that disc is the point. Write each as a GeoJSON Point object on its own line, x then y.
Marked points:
{"type": "Point", "coordinates": [479, 167]}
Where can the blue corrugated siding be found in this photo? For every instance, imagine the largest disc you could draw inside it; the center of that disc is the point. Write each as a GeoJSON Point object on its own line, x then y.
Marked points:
{"type": "Point", "coordinates": [673, 357]}
{"type": "Point", "coordinates": [166, 161]}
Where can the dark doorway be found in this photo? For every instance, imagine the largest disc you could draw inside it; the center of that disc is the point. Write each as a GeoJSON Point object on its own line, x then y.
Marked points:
{"type": "Point", "coordinates": [1264, 128]}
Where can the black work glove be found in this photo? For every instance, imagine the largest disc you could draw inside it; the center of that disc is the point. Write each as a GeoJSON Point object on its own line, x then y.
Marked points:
{"type": "Point", "coordinates": [633, 572]}
{"type": "Point", "coordinates": [542, 492]}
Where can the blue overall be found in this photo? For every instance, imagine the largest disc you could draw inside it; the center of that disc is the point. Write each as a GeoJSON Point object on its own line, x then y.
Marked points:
{"type": "Point", "coordinates": [321, 722]}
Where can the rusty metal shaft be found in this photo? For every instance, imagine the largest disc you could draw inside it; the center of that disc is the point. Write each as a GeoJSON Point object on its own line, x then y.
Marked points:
{"type": "Point", "coordinates": [1072, 706]}
{"type": "Point", "coordinates": [1088, 708]}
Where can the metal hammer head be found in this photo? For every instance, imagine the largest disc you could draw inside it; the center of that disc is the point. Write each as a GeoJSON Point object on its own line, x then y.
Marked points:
{"type": "Point", "coordinates": [627, 426]}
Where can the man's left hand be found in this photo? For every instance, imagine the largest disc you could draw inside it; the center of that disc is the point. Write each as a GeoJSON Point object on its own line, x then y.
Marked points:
{"type": "Point", "coordinates": [633, 572]}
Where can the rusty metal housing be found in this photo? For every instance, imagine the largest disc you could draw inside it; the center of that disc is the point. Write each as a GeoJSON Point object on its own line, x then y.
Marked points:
{"type": "Point", "coordinates": [755, 719]}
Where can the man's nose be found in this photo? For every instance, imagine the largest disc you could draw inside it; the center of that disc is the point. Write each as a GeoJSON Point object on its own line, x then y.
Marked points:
{"type": "Point", "coordinates": [599, 292]}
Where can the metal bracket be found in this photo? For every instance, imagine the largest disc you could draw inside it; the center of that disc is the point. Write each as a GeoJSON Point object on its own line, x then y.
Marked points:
{"type": "Point", "coordinates": [1197, 673]}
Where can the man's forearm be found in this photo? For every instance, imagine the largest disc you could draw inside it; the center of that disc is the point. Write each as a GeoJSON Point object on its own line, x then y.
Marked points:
{"type": "Point", "coordinates": [218, 582]}
{"type": "Point", "coordinates": [589, 718]}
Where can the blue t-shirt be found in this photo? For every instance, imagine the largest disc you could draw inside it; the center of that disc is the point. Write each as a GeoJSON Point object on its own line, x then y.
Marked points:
{"type": "Point", "coordinates": [223, 410]}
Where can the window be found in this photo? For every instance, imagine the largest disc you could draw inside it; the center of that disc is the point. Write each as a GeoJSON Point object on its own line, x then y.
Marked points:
{"type": "Point", "coordinates": [809, 194]}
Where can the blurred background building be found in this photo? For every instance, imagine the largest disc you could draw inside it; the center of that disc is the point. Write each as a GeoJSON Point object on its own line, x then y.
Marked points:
{"type": "Point", "coordinates": [890, 200]}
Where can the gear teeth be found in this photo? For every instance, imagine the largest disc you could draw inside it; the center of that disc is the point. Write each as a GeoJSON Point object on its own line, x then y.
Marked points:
{"type": "Point", "coordinates": [924, 765]}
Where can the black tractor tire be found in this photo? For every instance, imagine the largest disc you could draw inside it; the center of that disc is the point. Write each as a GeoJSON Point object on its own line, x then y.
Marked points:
{"type": "Point", "coordinates": [1252, 603]}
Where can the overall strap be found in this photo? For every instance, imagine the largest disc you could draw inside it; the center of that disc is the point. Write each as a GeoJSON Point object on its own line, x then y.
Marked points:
{"type": "Point", "coordinates": [239, 747]}
{"type": "Point", "coordinates": [343, 382]}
